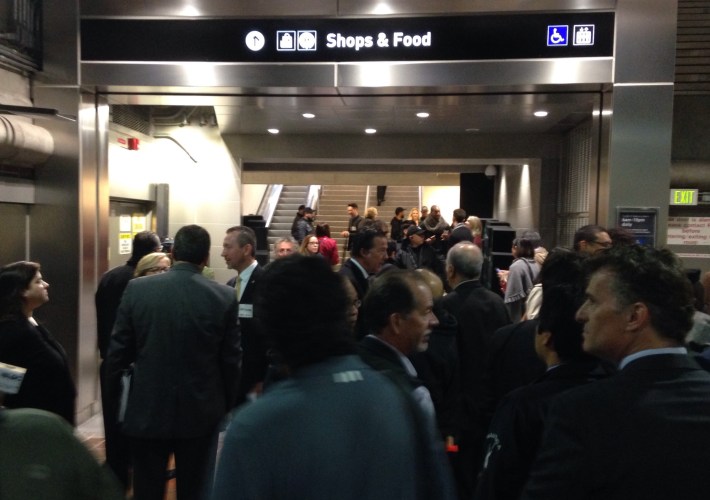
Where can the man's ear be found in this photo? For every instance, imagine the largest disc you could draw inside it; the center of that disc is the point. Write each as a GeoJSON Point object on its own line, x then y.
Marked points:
{"type": "Point", "coordinates": [638, 316]}
{"type": "Point", "coordinates": [546, 339]}
{"type": "Point", "coordinates": [394, 321]}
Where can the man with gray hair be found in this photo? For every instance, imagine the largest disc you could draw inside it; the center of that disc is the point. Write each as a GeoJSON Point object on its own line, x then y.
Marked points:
{"type": "Point", "coordinates": [479, 312]}
{"type": "Point", "coordinates": [284, 247]}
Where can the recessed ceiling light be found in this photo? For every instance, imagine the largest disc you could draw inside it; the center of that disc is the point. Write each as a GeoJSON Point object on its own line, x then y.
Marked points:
{"type": "Point", "coordinates": [473, 130]}
{"type": "Point", "coordinates": [370, 131]}
{"type": "Point", "coordinates": [540, 114]}
{"type": "Point", "coordinates": [308, 115]}
{"type": "Point", "coordinates": [423, 114]}
{"type": "Point", "coordinates": [382, 9]}
{"type": "Point", "coordinates": [273, 131]}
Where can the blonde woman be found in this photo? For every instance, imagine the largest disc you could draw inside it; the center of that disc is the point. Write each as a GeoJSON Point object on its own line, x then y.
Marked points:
{"type": "Point", "coordinates": [414, 215]}
{"type": "Point", "coordinates": [476, 226]}
{"type": "Point", "coordinates": [153, 263]}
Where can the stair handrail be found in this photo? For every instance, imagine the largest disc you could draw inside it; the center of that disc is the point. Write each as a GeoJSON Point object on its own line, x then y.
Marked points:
{"type": "Point", "coordinates": [267, 207]}
{"type": "Point", "coordinates": [313, 196]}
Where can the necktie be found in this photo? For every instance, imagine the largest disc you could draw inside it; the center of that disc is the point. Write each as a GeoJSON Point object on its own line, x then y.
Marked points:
{"type": "Point", "coordinates": [238, 288]}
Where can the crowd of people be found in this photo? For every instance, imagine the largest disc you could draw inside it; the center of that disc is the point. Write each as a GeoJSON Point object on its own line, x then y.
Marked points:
{"type": "Point", "coordinates": [401, 375]}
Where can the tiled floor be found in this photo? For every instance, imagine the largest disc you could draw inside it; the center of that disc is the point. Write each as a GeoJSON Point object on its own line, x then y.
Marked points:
{"type": "Point", "coordinates": [91, 433]}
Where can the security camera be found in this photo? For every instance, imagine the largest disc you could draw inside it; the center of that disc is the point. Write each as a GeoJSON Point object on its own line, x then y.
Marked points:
{"type": "Point", "coordinates": [491, 171]}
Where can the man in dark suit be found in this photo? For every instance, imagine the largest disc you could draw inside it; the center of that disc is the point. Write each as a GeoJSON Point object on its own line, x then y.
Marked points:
{"type": "Point", "coordinates": [644, 432]}
{"type": "Point", "coordinates": [459, 230]}
{"type": "Point", "coordinates": [239, 252]}
{"type": "Point", "coordinates": [479, 313]}
{"type": "Point", "coordinates": [367, 255]}
{"type": "Point", "coordinates": [108, 297]}
{"type": "Point", "coordinates": [179, 329]}
{"type": "Point", "coordinates": [398, 311]}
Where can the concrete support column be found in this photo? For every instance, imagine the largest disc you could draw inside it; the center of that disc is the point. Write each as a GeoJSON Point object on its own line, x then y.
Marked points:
{"type": "Point", "coordinates": [636, 172]}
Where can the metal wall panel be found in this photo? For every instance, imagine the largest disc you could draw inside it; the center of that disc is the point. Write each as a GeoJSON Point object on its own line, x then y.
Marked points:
{"type": "Point", "coordinates": [479, 73]}
{"type": "Point", "coordinates": [323, 78]}
{"type": "Point", "coordinates": [212, 78]}
{"type": "Point", "coordinates": [638, 174]}
{"type": "Point", "coordinates": [281, 8]}
{"type": "Point", "coordinates": [420, 7]}
{"type": "Point", "coordinates": [209, 8]}
{"type": "Point", "coordinates": [645, 41]}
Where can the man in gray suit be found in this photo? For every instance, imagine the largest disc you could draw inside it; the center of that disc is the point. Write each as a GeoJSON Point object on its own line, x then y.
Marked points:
{"type": "Point", "coordinates": [644, 432]}
{"type": "Point", "coordinates": [179, 330]}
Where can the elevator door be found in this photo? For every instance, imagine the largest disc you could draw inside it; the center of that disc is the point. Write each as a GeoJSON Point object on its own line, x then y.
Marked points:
{"type": "Point", "coordinates": [126, 218]}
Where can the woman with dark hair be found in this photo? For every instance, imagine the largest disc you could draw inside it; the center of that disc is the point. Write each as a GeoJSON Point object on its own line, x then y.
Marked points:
{"type": "Point", "coordinates": [23, 342]}
{"type": "Point", "coordinates": [328, 247]}
{"type": "Point", "coordinates": [520, 277]}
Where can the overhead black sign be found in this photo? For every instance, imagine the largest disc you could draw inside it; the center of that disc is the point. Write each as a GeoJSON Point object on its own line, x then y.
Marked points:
{"type": "Point", "coordinates": [464, 38]}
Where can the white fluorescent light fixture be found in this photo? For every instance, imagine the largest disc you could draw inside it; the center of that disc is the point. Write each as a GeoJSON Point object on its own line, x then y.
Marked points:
{"type": "Point", "coordinates": [308, 115]}
{"type": "Point", "coordinates": [370, 131]}
{"type": "Point", "coordinates": [423, 114]}
{"type": "Point", "coordinates": [273, 131]}
{"type": "Point", "coordinates": [540, 114]}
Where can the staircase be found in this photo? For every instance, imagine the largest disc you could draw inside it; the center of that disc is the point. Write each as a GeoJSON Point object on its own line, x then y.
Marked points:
{"type": "Point", "coordinates": [406, 197]}
{"type": "Point", "coordinates": [333, 204]}
{"type": "Point", "coordinates": [289, 201]}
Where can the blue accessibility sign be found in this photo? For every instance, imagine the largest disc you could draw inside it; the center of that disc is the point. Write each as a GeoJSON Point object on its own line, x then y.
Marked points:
{"type": "Point", "coordinates": [557, 35]}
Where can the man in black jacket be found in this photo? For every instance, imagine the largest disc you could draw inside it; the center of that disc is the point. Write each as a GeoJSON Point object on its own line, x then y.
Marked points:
{"type": "Point", "coordinates": [108, 297]}
{"type": "Point", "coordinates": [515, 432]}
{"type": "Point", "coordinates": [367, 256]}
{"type": "Point", "coordinates": [353, 224]}
{"type": "Point", "coordinates": [479, 313]}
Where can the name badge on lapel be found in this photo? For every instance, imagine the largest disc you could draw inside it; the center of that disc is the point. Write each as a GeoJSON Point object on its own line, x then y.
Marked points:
{"type": "Point", "coordinates": [246, 311]}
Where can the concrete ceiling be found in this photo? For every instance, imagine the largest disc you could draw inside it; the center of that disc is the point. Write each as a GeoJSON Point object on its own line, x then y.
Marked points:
{"type": "Point", "coordinates": [499, 113]}
{"type": "Point", "coordinates": [448, 114]}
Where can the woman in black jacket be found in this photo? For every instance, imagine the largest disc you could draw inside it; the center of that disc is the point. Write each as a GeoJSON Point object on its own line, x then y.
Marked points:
{"type": "Point", "coordinates": [23, 342]}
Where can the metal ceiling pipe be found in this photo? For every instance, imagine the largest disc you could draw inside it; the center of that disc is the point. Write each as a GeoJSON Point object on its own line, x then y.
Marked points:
{"type": "Point", "coordinates": [690, 175]}
{"type": "Point", "coordinates": [22, 143]}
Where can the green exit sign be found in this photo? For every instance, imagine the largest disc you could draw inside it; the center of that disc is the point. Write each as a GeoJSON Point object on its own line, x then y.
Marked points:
{"type": "Point", "coordinates": [684, 196]}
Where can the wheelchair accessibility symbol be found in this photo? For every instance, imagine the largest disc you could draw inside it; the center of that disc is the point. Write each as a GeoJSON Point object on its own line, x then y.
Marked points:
{"type": "Point", "coordinates": [557, 35]}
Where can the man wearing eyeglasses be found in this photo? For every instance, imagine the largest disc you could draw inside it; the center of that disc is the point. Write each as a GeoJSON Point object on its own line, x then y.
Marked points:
{"type": "Point", "coordinates": [591, 239]}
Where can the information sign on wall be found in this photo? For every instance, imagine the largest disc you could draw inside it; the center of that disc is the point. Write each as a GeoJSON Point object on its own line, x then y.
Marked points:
{"type": "Point", "coordinates": [125, 243]}
{"type": "Point", "coordinates": [641, 222]}
{"type": "Point", "coordinates": [689, 231]}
